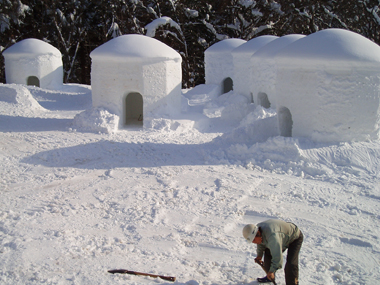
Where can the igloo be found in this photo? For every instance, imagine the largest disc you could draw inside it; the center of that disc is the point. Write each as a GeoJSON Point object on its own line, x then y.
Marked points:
{"type": "Point", "coordinates": [219, 64]}
{"type": "Point", "coordinates": [328, 87]}
{"type": "Point", "coordinates": [263, 76]}
{"type": "Point", "coordinates": [137, 78]}
{"type": "Point", "coordinates": [242, 65]}
{"type": "Point", "coordinates": [33, 62]}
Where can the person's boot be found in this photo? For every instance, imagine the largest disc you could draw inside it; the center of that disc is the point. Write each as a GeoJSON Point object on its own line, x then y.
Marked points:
{"type": "Point", "coordinates": [264, 280]}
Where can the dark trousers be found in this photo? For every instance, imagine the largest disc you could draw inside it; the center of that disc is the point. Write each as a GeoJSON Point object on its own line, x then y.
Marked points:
{"type": "Point", "coordinates": [291, 267]}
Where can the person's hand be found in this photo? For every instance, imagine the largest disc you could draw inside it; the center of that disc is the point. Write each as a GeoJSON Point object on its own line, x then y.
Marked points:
{"type": "Point", "coordinates": [258, 260]}
{"type": "Point", "coordinates": [270, 276]}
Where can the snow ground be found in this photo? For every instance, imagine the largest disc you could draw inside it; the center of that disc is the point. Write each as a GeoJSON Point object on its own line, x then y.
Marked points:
{"type": "Point", "coordinates": [172, 199]}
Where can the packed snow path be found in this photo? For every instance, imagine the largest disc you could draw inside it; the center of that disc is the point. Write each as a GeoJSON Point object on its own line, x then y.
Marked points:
{"type": "Point", "coordinates": [173, 202]}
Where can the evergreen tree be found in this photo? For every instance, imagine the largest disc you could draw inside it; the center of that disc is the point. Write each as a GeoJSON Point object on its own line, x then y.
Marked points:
{"type": "Point", "coordinates": [76, 27]}
{"type": "Point", "coordinates": [12, 15]}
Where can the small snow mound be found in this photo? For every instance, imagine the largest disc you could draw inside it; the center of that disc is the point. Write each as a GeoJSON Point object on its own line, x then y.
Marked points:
{"type": "Point", "coordinates": [275, 153]}
{"type": "Point", "coordinates": [257, 126]}
{"type": "Point", "coordinates": [17, 100]}
{"type": "Point", "coordinates": [209, 91]}
{"type": "Point", "coordinates": [8, 95]}
{"type": "Point", "coordinates": [96, 120]}
{"type": "Point", "coordinates": [278, 155]}
{"type": "Point", "coordinates": [162, 124]}
{"type": "Point", "coordinates": [153, 26]}
{"type": "Point", "coordinates": [230, 107]}
{"type": "Point", "coordinates": [200, 95]}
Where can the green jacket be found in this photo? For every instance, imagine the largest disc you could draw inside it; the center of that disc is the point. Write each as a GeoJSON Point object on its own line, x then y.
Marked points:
{"type": "Point", "coordinates": [277, 235]}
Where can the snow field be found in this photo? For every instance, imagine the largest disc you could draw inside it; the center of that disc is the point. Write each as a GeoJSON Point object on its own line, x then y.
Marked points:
{"type": "Point", "coordinates": [173, 200]}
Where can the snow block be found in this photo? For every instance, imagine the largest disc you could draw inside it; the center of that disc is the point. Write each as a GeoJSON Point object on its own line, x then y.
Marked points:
{"type": "Point", "coordinates": [136, 77]}
{"type": "Point", "coordinates": [34, 62]}
{"type": "Point", "coordinates": [328, 87]}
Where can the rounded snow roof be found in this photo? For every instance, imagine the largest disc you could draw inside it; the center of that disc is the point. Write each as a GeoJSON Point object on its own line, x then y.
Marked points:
{"type": "Point", "coordinates": [332, 45]}
{"type": "Point", "coordinates": [275, 46]}
{"type": "Point", "coordinates": [226, 45]}
{"type": "Point", "coordinates": [32, 47]}
{"type": "Point", "coordinates": [135, 46]}
{"type": "Point", "coordinates": [254, 45]}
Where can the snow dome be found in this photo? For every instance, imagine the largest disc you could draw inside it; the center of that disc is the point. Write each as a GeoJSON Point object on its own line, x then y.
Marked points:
{"type": "Point", "coordinates": [33, 62]}
{"type": "Point", "coordinates": [136, 77]}
{"type": "Point", "coordinates": [262, 86]}
{"type": "Point", "coordinates": [328, 87]}
{"type": "Point", "coordinates": [218, 64]}
{"type": "Point", "coordinates": [242, 64]}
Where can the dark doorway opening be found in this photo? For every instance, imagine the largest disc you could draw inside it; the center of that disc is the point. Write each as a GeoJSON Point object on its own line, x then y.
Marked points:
{"type": "Point", "coordinates": [33, 81]}
{"type": "Point", "coordinates": [227, 85]}
{"type": "Point", "coordinates": [263, 100]}
{"type": "Point", "coordinates": [133, 109]}
{"type": "Point", "coordinates": [285, 122]}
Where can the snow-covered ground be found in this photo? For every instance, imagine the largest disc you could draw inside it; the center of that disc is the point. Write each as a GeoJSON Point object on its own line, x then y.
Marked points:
{"type": "Point", "coordinates": [78, 199]}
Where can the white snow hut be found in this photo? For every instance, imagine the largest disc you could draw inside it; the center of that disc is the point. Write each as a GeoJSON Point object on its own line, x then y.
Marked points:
{"type": "Point", "coordinates": [263, 78]}
{"type": "Point", "coordinates": [242, 65]}
{"type": "Point", "coordinates": [219, 64]}
{"type": "Point", "coordinates": [328, 87]}
{"type": "Point", "coordinates": [136, 77]}
{"type": "Point", "coordinates": [33, 62]}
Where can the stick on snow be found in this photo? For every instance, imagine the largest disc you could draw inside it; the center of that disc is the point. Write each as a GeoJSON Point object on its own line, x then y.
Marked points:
{"type": "Point", "coordinates": [124, 271]}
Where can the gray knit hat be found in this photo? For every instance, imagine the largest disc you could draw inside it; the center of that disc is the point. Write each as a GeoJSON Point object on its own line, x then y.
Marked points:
{"type": "Point", "coordinates": [249, 232]}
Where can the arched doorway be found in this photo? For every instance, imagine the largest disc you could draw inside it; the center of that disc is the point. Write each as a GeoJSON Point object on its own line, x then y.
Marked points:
{"type": "Point", "coordinates": [133, 109]}
{"type": "Point", "coordinates": [285, 122]}
{"type": "Point", "coordinates": [227, 85]}
{"type": "Point", "coordinates": [263, 100]}
{"type": "Point", "coordinates": [33, 81]}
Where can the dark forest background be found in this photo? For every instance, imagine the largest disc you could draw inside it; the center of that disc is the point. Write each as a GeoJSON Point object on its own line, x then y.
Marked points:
{"type": "Point", "coordinates": [76, 27]}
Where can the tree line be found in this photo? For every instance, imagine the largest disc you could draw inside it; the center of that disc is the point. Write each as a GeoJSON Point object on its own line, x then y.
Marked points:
{"type": "Point", "coordinates": [76, 27]}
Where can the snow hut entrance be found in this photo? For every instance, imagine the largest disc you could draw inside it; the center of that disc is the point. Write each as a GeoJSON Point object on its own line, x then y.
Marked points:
{"type": "Point", "coordinates": [263, 100]}
{"type": "Point", "coordinates": [33, 81]}
{"type": "Point", "coordinates": [227, 85]}
{"type": "Point", "coordinates": [285, 122]}
{"type": "Point", "coordinates": [133, 109]}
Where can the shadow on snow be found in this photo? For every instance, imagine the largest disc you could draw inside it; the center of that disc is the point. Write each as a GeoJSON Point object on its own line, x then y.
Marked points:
{"type": "Point", "coordinates": [108, 154]}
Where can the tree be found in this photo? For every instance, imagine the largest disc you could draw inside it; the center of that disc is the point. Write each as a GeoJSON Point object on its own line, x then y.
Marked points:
{"type": "Point", "coordinates": [76, 27]}
{"type": "Point", "coordinates": [12, 15]}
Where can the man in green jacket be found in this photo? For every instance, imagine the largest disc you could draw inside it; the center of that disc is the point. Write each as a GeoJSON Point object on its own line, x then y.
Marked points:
{"type": "Point", "coordinates": [273, 237]}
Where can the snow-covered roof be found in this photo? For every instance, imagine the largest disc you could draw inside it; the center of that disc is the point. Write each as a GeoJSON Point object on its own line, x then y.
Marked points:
{"type": "Point", "coordinates": [276, 45]}
{"type": "Point", "coordinates": [332, 45]}
{"type": "Point", "coordinates": [134, 47]}
{"type": "Point", "coordinates": [226, 45]}
{"type": "Point", "coordinates": [152, 27]}
{"type": "Point", "coordinates": [32, 47]}
{"type": "Point", "coordinates": [253, 45]}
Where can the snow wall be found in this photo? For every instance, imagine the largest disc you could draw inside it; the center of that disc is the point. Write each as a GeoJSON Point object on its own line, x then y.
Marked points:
{"type": "Point", "coordinates": [242, 65]}
{"type": "Point", "coordinates": [137, 78]}
{"type": "Point", "coordinates": [34, 62]}
{"type": "Point", "coordinates": [219, 66]}
{"type": "Point", "coordinates": [264, 71]}
{"type": "Point", "coordinates": [324, 87]}
{"type": "Point", "coordinates": [328, 87]}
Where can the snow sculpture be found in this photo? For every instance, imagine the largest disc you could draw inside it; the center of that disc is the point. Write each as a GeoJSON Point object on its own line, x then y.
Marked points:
{"type": "Point", "coordinates": [243, 67]}
{"type": "Point", "coordinates": [328, 87]}
{"type": "Point", "coordinates": [34, 62]}
{"type": "Point", "coordinates": [219, 64]}
{"type": "Point", "coordinates": [136, 77]}
{"type": "Point", "coordinates": [263, 77]}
